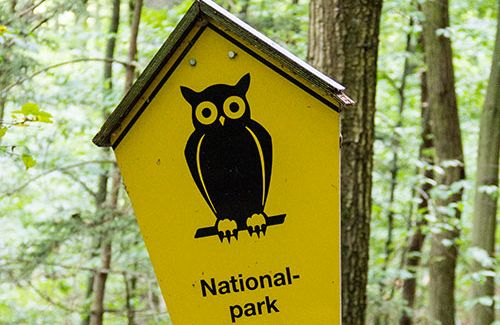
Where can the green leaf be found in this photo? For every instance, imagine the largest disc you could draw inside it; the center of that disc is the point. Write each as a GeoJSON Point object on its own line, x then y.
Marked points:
{"type": "Point", "coordinates": [28, 161]}
{"type": "Point", "coordinates": [3, 130]}
{"type": "Point", "coordinates": [32, 113]}
{"type": "Point", "coordinates": [30, 109]}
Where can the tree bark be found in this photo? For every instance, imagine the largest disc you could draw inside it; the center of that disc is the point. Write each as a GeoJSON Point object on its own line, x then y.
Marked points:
{"type": "Point", "coordinates": [2, 110]}
{"type": "Point", "coordinates": [132, 50]}
{"type": "Point", "coordinates": [102, 190]}
{"type": "Point", "coordinates": [130, 286]}
{"type": "Point", "coordinates": [97, 314]}
{"type": "Point", "coordinates": [416, 241]}
{"type": "Point", "coordinates": [100, 278]}
{"type": "Point", "coordinates": [343, 43]}
{"type": "Point", "coordinates": [128, 297]}
{"type": "Point", "coordinates": [448, 144]}
{"type": "Point", "coordinates": [485, 205]}
{"type": "Point", "coordinates": [111, 44]}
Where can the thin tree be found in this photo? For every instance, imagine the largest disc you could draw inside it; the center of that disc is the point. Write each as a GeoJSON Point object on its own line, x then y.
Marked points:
{"type": "Point", "coordinates": [413, 252]}
{"type": "Point", "coordinates": [395, 141]}
{"type": "Point", "coordinates": [343, 43]}
{"type": "Point", "coordinates": [132, 50]}
{"type": "Point", "coordinates": [416, 240]}
{"type": "Point", "coordinates": [100, 278]}
{"type": "Point", "coordinates": [485, 205]}
{"type": "Point", "coordinates": [449, 156]}
{"type": "Point", "coordinates": [136, 7]}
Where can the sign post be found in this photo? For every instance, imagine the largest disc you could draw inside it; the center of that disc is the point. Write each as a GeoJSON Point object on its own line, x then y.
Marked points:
{"type": "Point", "coordinates": [229, 149]}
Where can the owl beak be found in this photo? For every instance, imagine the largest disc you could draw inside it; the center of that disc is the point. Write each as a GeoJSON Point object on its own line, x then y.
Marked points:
{"type": "Point", "coordinates": [222, 119]}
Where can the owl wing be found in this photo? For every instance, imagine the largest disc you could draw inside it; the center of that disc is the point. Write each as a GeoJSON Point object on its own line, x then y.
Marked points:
{"type": "Point", "coordinates": [192, 154]}
{"type": "Point", "coordinates": [265, 147]}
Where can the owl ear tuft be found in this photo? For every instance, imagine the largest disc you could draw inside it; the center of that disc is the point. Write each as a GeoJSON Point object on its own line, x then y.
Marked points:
{"type": "Point", "coordinates": [189, 94]}
{"type": "Point", "coordinates": [244, 83]}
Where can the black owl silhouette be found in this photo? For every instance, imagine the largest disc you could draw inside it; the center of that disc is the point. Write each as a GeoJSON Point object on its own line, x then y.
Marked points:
{"type": "Point", "coordinates": [230, 159]}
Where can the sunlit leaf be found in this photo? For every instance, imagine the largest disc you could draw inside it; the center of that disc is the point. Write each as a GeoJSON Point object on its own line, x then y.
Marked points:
{"type": "Point", "coordinates": [30, 109]}
{"type": "Point", "coordinates": [28, 161]}
{"type": "Point", "coordinates": [30, 112]}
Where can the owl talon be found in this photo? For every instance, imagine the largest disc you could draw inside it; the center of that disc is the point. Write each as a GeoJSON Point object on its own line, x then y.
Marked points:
{"type": "Point", "coordinates": [257, 224]}
{"type": "Point", "coordinates": [227, 228]}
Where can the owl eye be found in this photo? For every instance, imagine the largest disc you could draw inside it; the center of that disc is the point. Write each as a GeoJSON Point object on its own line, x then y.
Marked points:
{"type": "Point", "coordinates": [234, 107]}
{"type": "Point", "coordinates": [206, 113]}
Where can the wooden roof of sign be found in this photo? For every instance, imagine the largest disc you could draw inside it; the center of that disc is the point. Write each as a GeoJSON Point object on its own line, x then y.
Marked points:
{"type": "Point", "coordinates": [208, 12]}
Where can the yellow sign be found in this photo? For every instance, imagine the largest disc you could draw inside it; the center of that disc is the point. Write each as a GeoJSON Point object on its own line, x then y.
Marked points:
{"type": "Point", "coordinates": [230, 156]}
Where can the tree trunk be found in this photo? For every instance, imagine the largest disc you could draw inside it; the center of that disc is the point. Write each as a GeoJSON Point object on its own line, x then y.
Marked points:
{"type": "Point", "coordinates": [128, 297]}
{"type": "Point", "coordinates": [111, 44]}
{"type": "Point", "coordinates": [99, 287]}
{"type": "Point", "coordinates": [97, 313]}
{"type": "Point", "coordinates": [102, 191]}
{"type": "Point", "coordinates": [2, 109]}
{"type": "Point", "coordinates": [448, 144]}
{"type": "Point", "coordinates": [382, 318]}
{"type": "Point", "coordinates": [132, 50]}
{"type": "Point", "coordinates": [485, 205]}
{"type": "Point", "coordinates": [343, 43]}
{"type": "Point", "coordinates": [416, 240]}
{"type": "Point", "coordinates": [130, 286]}
{"type": "Point", "coordinates": [396, 144]}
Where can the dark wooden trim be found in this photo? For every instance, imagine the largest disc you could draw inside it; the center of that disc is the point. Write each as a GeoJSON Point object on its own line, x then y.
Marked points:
{"type": "Point", "coordinates": [228, 24]}
{"type": "Point", "coordinates": [233, 25]}
{"type": "Point", "coordinates": [275, 68]}
{"type": "Point", "coordinates": [258, 57]}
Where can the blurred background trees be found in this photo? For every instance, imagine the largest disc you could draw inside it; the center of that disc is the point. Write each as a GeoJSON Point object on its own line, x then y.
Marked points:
{"type": "Point", "coordinates": [70, 248]}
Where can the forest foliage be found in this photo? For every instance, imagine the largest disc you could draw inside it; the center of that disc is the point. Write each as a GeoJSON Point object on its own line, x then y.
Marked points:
{"type": "Point", "coordinates": [53, 100]}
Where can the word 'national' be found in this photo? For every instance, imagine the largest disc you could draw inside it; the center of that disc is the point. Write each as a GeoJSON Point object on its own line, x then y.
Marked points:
{"type": "Point", "coordinates": [240, 283]}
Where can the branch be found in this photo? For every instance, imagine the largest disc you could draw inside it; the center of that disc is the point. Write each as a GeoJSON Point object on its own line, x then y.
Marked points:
{"type": "Point", "coordinates": [12, 85]}
{"type": "Point", "coordinates": [50, 171]}
{"type": "Point", "coordinates": [50, 300]}
{"type": "Point", "coordinates": [40, 23]}
{"type": "Point", "coordinates": [25, 11]}
{"type": "Point", "coordinates": [391, 81]}
{"type": "Point", "coordinates": [82, 183]}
